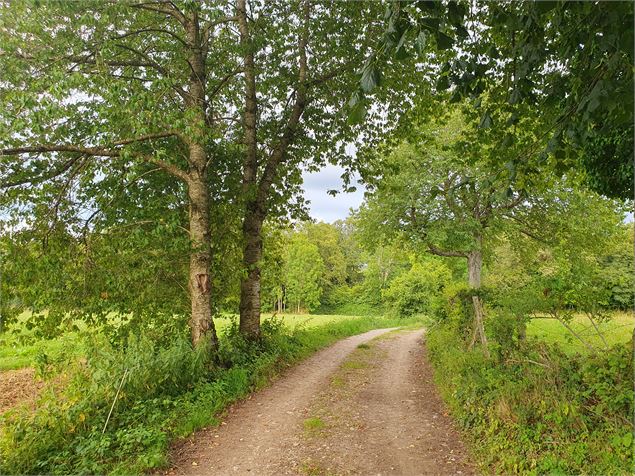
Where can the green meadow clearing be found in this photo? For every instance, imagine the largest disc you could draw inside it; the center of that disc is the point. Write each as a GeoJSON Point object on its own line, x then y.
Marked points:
{"type": "Point", "coordinates": [16, 355]}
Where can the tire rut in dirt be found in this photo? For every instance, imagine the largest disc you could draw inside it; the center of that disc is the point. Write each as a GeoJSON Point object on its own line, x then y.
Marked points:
{"type": "Point", "coordinates": [381, 415]}
{"type": "Point", "coordinates": [258, 434]}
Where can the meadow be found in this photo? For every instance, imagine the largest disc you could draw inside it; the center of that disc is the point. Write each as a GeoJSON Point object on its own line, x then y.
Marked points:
{"type": "Point", "coordinates": [617, 329]}
{"type": "Point", "coordinates": [19, 350]}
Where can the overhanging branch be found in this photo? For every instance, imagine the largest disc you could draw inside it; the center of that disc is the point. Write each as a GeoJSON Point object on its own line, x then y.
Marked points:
{"type": "Point", "coordinates": [114, 150]}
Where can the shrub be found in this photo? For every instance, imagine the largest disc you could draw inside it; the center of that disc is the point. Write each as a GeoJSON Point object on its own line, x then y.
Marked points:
{"type": "Point", "coordinates": [415, 291]}
{"type": "Point", "coordinates": [537, 410]}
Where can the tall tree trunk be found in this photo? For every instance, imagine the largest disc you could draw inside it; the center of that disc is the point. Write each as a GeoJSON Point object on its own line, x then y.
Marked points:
{"type": "Point", "coordinates": [254, 216]}
{"type": "Point", "coordinates": [250, 283]}
{"type": "Point", "coordinates": [257, 190]}
{"type": "Point", "coordinates": [201, 322]}
{"type": "Point", "coordinates": [474, 268]}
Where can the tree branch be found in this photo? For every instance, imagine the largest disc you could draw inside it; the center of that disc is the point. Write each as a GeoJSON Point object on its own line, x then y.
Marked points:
{"type": "Point", "coordinates": [439, 252]}
{"type": "Point", "coordinates": [432, 248]}
{"type": "Point", "coordinates": [146, 63]}
{"type": "Point", "coordinates": [516, 201]}
{"type": "Point", "coordinates": [164, 7]}
{"type": "Point", "coordinates": [151, 30]}
{"type": "Point", "coordinates": [207, 28]}
{"type": "Point", "coordinates": [112, 151]}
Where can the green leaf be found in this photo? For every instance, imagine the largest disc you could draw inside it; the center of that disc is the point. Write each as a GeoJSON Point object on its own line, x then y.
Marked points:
{"type": "Point", "coordinates": [511, 168]}
{"type": "Point", "coordinates": [594, 103]}
{"type": "Point", "coordinates": [428, 5]}
{"type": "Point", "coordinates": [357, 113]}
{"type": "Point", "coordinates": [443, 83]}
{"type": "Point", "coordinates": [456, 12]}
{"type": "Point", "coordinates": [544, 6]}
{"type": "Point", "coordinates": [461, 32]}
{"type": "Point", "coordinates": [431, 24]}
{"type": "Point", "coordinates": [486, 121]}
{"type": "Point", "coordinates": [513, 119]}
{"type": "Point", "coordinates": [444, 41]}
{"type": "Point", "coordinates": [402, 39]}
{"type": "Point", "coordinates": [420, 42]}
{"type": "Point", "coordinates": [514, 97]}
{"type": "Point", "coordinates": [355, 98]}
{"type": "Point", "coordinates": [508, 140]}
{"type": "Point", "coordinates": [370, 78]}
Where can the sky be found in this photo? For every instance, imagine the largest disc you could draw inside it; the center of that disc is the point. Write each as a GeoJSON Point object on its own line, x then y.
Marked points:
{"type": "Point", "coordinates": [324, 207]}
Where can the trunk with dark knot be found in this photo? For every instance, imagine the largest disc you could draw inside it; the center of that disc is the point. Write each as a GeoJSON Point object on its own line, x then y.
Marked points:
{"type": "Point", "coordinates": [250, 283]}
{"type": "Point", "coordinates": [201, 322]}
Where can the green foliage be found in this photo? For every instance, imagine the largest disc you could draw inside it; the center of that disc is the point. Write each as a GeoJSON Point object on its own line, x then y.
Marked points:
{"type": "Point", "coordinates": [537, 410]}
{"type": "Point", "coordinates": [415, 291]}
{"type": "Point", "coordinates": [616, 271]}
{"type": "Point", "coordinates": [607, 158]}
{"type": "Point", "coordinates": [304, 269]}
{"type": "Point", "coordinates": [504, 61]}
{"type": "Point", "coordinates": [65, 434]}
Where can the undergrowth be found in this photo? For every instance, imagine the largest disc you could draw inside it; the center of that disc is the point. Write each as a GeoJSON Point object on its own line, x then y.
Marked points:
{"type": "Point", "coordinates": [535, 410]}
{"type": "Point", "coordinates": [159, 394]}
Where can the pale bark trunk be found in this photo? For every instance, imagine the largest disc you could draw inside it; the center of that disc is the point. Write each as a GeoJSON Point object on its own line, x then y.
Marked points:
{"type": "Point", "coordinates": [474, 269]}
{"type": "Point", "coordinates": [201, 322]}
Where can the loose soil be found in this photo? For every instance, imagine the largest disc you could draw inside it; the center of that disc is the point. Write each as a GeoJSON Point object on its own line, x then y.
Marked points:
{"type": "Point", "coordinates": [18, 386]}
{"type": "Point", "coordinates": [371, 409]}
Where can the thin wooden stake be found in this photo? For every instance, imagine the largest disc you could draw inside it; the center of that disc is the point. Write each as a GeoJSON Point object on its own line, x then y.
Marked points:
{"type": "Point", "coordinates": [114, 401]}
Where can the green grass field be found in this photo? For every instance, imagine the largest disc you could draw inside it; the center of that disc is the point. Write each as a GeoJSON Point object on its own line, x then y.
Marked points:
{"type": "Point", "coordinates": [14, 355]}
{"type": "Point", "coordinates": [292, 320]}
{"type": "Point", "coordinates": [616, 330]}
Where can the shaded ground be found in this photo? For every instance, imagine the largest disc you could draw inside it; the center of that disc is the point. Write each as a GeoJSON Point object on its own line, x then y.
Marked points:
{"type": "Point", "coordinates": [18, 386]}
{"type": "Point", "coordinates": [346, 410]}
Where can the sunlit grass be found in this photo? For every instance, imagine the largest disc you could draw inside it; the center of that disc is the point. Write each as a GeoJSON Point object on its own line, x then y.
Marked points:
{"type": "Point", "coordinates": [293, 321]}
{"type": "Point", "coordinates": [16, 354]}
{"type": "Point", "coordinates": [618, 329]}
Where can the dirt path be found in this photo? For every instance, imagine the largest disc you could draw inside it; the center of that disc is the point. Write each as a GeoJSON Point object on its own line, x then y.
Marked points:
{"type": "Point", "coordinates": [346, 410]}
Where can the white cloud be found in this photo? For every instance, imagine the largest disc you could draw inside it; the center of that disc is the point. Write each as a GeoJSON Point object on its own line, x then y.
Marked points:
{"type": "Point", "coordinates": [324, 207]}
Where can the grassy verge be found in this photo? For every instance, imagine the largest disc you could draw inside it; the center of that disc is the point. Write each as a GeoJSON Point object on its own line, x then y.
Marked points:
{"type": "Point", "coordinates": [160, 394]}
{"type": "Point", "coordinates": [539, 410]}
